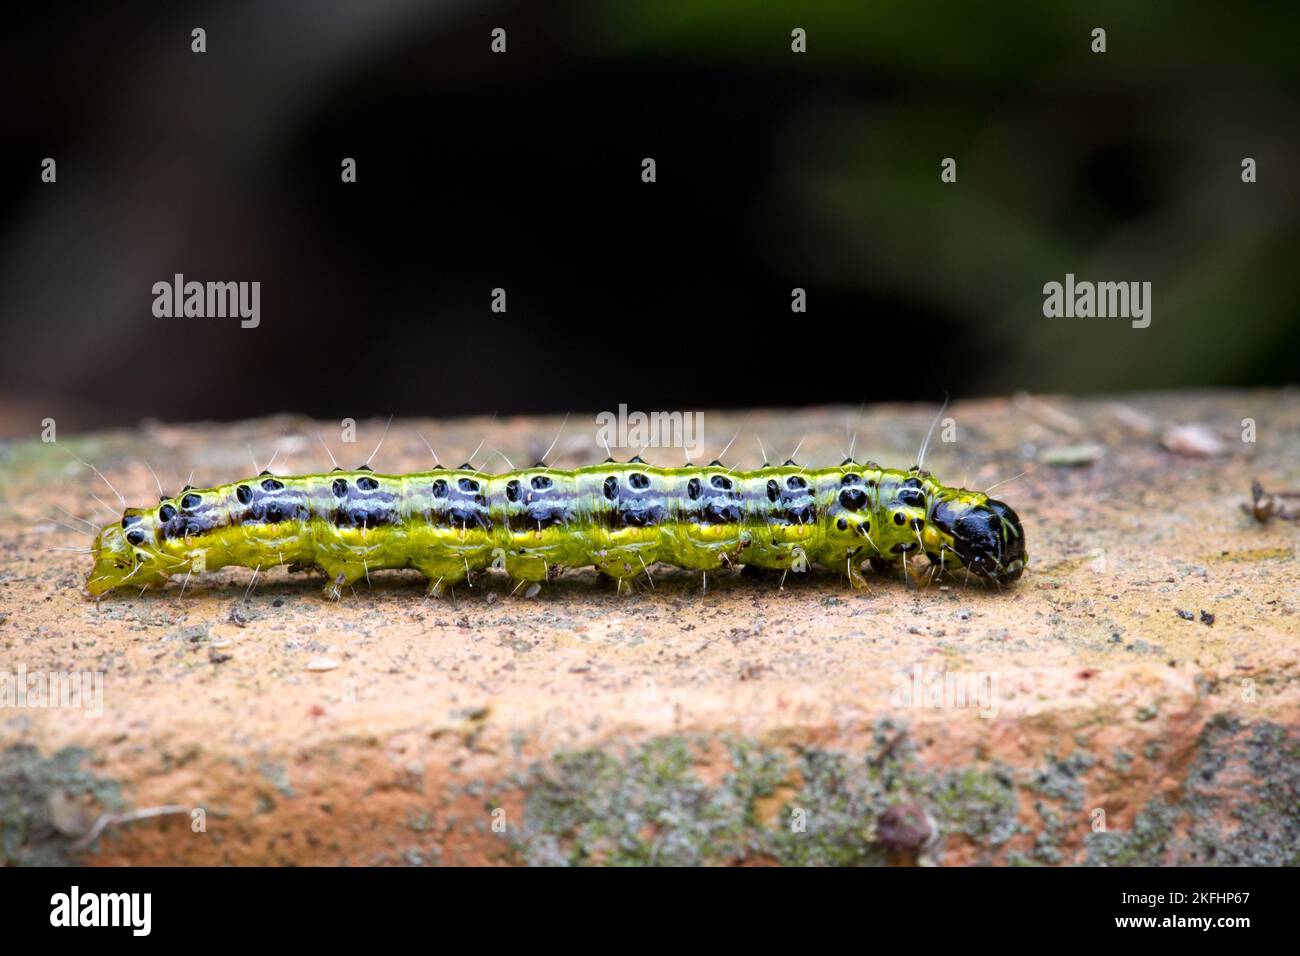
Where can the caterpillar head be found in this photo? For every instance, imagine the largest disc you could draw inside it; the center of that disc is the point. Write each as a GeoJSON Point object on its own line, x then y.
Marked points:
{"type": "Point", "coordinates": [124, 555]}
{"type": "Point", "coordinates": [986, 535]}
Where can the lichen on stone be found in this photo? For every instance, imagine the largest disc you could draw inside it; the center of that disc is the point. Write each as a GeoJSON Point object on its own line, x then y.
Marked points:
{"type": "Point", "coordinates": [654, 804]}
{"type": "Point", "coordinates": [31, 786]}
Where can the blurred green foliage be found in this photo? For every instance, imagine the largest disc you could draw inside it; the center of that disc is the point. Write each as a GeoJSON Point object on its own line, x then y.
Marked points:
{"type": "Point", "coordinates": [1122, 166]}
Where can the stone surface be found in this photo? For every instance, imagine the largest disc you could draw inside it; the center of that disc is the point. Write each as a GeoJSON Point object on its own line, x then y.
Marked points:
{"type": "Point", "coordinates": [745, 725]}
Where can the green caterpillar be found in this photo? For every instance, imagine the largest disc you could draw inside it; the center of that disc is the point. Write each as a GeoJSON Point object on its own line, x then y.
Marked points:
{"type": "Point", "coordinates": [534, 523]}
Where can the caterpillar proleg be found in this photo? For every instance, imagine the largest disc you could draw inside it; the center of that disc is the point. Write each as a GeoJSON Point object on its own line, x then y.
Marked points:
{"type": "Point", "coordinates": [534, 523]}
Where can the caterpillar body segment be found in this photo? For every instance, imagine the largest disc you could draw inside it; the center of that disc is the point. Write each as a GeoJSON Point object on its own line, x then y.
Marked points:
{"type": "Point", "coordinates": [532, 523]}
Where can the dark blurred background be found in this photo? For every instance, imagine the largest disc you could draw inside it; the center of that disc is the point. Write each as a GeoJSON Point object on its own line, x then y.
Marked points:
{"type": "Point", "coordinates": [522, 171]}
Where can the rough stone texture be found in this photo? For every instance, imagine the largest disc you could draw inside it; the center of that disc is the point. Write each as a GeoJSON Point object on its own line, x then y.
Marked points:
{"type": "Point", "coordinates": [745, 725]}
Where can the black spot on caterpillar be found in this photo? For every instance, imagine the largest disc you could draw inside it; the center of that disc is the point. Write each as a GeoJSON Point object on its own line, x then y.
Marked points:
{"type": "Point", "coordinates": [535, 522]}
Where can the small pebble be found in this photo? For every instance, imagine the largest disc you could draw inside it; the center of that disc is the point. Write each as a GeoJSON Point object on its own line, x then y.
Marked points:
{"type": "Point", "coordinates": [65, 814]}
{"type": "Point", "coordinates": [1072, 456]}
{"type": "Point", "coordinates": [906, 826]}
{"type": "Point", "coordinates": [1192, 441]}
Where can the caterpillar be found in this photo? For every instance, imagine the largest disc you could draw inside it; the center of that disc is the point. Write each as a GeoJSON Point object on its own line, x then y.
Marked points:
{"type": "Point", "coordinates": [534, 523]}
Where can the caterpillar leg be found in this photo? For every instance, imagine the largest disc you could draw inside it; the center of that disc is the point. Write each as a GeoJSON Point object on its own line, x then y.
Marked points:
{"type": "Point", "coordinates": [620, 564]}
{"type": "Point", "coordinates": [942, 565]}
{"type": "Point", "coordinates": [344, 565]}
{"type": "Point", "coordinates": [910, 570]}
{"type": "Point", "coordinates": [916, 575]}
{"type": "Point", "coordinates": [622, 584]}
{"type": "Point", "coordinates": [339, 577]}
{"type": "Point", "coordinates": [443, 579]}
{"type": "Point", "coordinates": [856, 579]}
{"type": "Point", "coordinates": [529, 588]}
